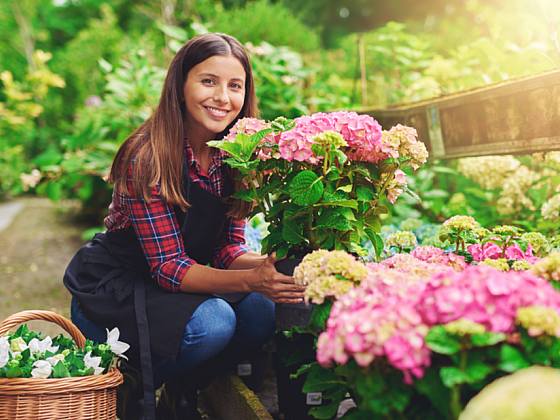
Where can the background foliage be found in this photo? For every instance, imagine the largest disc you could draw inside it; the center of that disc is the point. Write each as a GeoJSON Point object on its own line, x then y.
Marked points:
{"type": "Point", "coordinates": [78, 77]}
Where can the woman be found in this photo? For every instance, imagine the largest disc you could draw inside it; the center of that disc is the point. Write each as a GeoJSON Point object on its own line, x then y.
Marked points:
{"type": "Point", "coordinates": [149, 274]}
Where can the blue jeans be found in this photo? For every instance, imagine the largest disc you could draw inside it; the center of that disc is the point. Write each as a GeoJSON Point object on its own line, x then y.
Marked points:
{"type": "Point", "coordinates": [215, 331]}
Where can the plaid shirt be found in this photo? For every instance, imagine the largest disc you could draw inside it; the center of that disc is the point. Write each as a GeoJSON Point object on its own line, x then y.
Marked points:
{"type": "Point", "coordinates": [157, 229]}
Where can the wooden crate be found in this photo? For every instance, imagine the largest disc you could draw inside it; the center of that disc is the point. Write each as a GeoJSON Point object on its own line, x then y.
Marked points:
{"type": "Point", "coordinates": [520, 116]}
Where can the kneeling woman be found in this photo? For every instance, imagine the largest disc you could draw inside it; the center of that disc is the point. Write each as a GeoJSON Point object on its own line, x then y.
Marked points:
{"type": "Point", "coordinates": [172, 271]}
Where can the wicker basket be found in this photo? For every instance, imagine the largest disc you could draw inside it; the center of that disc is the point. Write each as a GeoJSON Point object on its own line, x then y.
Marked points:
{"type": "Point", "coordinates": [84, 397]}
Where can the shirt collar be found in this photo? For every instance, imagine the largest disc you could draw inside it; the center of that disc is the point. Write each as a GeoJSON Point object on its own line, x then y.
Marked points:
{"type": "Point", "coordinates": [217, 159]}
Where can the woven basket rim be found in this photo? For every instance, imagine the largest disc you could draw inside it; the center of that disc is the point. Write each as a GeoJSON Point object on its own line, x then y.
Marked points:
{"type": "Point", "coordinates": [38, 386]}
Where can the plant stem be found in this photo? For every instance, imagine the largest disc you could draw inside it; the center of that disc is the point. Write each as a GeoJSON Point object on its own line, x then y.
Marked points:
{"type": "Point", "coordinates": [458, 241]}
{"type": "Point", "coordinates": [455, 399]}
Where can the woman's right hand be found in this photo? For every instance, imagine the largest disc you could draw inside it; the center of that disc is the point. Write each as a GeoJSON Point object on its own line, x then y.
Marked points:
{"type": "Point", "coordinates": [274, 285]}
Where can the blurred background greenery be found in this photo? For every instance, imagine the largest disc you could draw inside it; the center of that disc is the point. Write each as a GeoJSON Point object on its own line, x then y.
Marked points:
{"type": "Point", "coordinates": [77, 76]}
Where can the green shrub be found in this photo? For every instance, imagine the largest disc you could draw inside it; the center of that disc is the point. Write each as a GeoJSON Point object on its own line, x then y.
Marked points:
{"type": "Point", "coordinates": [264, 21]}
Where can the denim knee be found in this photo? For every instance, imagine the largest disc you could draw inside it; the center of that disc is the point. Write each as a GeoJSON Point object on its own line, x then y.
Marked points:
{"type": "Point", "coordinates": [211, 326]}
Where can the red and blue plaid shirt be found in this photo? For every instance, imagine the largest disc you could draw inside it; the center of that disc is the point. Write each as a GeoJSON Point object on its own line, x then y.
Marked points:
{"type": "Point", "coordinates": [158, 231]}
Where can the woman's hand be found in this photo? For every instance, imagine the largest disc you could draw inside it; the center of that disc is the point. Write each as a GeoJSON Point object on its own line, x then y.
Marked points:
{"type": "Point", "coordinates": [276, 286]}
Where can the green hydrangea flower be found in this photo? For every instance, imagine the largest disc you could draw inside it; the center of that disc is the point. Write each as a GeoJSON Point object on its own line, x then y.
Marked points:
{"type": "Point", "coordinates": [501, 263]}
{"type": "Point", "coordinates": [539, 321]}
{"type": "Point", "coordinates": [464, 326]}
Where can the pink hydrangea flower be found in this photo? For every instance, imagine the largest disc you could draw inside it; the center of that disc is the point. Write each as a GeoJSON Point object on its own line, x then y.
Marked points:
{"type": "Point", "coordinates": [251, 126]}
{"type": "Point", "coordinates": [493, 251]}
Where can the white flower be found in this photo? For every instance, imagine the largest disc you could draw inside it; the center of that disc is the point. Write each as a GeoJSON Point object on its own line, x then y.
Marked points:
{"type": "Point", "coordinates": [55, 359]}
{"type": "Point", "coordinates": [42, 369]}
{"type": "Point", "coordinates": [93, 362]}
{"type": "Point", "coordinates": [42, 346]}
{"type": "Point", "coordinates": [4, 356]}
{"type": "Point", "coordinates": [117, 347]}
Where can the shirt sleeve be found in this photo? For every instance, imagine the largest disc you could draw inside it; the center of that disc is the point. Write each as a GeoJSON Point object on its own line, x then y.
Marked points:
{"type": "Point", "coordinates": [157, 230]}
{"type": "Point", "coordinates": [231, 243]}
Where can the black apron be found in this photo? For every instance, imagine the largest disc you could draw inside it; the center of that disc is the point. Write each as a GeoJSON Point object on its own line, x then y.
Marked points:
{"type": "Point", "coordinates": [111, 279]}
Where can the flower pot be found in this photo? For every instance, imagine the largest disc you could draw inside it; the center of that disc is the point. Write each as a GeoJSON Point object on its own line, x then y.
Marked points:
{"type": "Point", "coordinates": [293, 404]}
{"type": "Point", "coordinates": [289, 314]}
{"type": "Point", "coordinates": [252, 371]}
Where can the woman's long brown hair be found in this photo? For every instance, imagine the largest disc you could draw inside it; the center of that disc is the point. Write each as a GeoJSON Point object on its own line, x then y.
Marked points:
{"type": "Point", "coordinates": [158, 142]}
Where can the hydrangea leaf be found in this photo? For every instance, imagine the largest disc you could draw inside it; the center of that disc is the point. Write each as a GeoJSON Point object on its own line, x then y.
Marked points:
{"type": "Point", "coordinates": [511, 359]}
{"type": "Point", "coordinates": [320, 379]}
{"type": "Point", "coordinates": [319, 315]}
{"type": "Point", "coordinates": [451, 375]}
{"type": "Point", "coordinates": [306, 189]}
{"type": "Point", "coordinates": [246, 195]}
{"type": "Point", "coordinates": [333, 220]}
{"type": "Point", "coordinates": [364, 194]}
{"type": "Point", "coordinates": [233, 149]}
{"type": "Point", "coordinates": [291, 232]}
{"type": "Point", "coordinates": [432, 387]}
{"type": "Point", "coordinates": [487, 339]}
{"type": "Point", "coordinates": [442, 342]}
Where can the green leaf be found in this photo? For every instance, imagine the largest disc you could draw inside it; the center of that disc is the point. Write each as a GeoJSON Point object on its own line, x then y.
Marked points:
{"type": "Point", "coordinates": [487, 339]}
{"type": "Point", "coordinates": [452, 375]}
{"type": "Point", "coordinates": [282, 251]}
{"type": "Point", "coordinates": [370, 385]}
{"type": "Point", "coordinates": [478, 371]}
{"type": "Point", "coordinates": [376, 240]}
{"type": "Point", "coordinates": [246, 195]}
{"type": "Point", "coordinates": [320, 379]}
{"type": "Point", "coordinates": [442, 342]}
{"type": "Point", "coordinates": [364, 194]}
{"type": "Point", "coordinates": [291, 232]}
{"type": "Point", "coordinates": [306, 188]}
{"type": "Point", "coordinates": [14, 372]}
{"type": "Point", "coordinates": [333, 220]}
{"type": "Point", "coordinates": [333, 174]}
{"type": "Point", "coordinates": [320, 315]}
{"type": "Point", "coordinates": [327, 411]}
{"type": "Point", "coordinates": [233, 149]}
{"type": "Point", "coordinates": [60, 370]}
{"type": "Point", "coordinates": [342, 158]}
{"type": "Point", "coordinates": [511, 359]}
{"type": "Point", "coordinates": [353, 204]}
{"type": "Point", "coordinates": [432, 387]}
{"type": "Point", "coordinates": [380, 210]}
{"type": "Point", "coordinates": [54, 191]}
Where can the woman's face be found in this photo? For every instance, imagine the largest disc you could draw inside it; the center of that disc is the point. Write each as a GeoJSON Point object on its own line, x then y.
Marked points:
{"type": "Point", "coordinates": [214, 94]}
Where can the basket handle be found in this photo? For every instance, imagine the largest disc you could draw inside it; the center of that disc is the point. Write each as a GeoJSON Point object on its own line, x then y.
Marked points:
{"type": "Point", "coordinates": [24, 316]}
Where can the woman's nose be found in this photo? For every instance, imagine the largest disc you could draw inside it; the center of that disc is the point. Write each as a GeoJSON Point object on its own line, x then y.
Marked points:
{"type": "Point", "coordinates": [221, 94]}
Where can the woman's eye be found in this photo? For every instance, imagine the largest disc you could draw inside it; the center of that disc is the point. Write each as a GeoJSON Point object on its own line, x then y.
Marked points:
{"type": "Point", "coordinates": [207, 81]}
{"type": "Point", "coordinates": [236, 86]}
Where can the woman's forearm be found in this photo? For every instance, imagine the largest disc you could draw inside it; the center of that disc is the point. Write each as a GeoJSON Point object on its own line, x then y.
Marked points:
{"type": "Point", "coordinates": [203, 279]}
{"type": "Point", "coordinates": [247, 261]}
{"type": "Point", "coordinates": [261, 278]}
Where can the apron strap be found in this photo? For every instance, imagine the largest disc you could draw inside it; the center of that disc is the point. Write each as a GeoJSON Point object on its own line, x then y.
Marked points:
{"type": "Point", "coordinates": [145, 352]}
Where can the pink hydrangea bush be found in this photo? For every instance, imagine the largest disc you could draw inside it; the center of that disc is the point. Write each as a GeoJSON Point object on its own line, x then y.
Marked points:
{"type": "Point", "coordinates": [390, 313]}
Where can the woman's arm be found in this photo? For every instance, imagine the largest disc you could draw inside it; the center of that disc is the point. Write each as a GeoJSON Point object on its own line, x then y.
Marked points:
{"type": "Point", "coordinates": [247, 261]}
{"type": "Point", "coordinates": [263, 279]}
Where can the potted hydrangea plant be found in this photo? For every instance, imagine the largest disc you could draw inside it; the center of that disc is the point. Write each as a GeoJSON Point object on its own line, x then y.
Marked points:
{"type": "Point", "coordinates": [318, 182]}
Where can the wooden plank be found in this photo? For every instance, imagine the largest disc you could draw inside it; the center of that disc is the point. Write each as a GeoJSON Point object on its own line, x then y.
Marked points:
{"type": "Point", "coordinates": [518, 117]}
